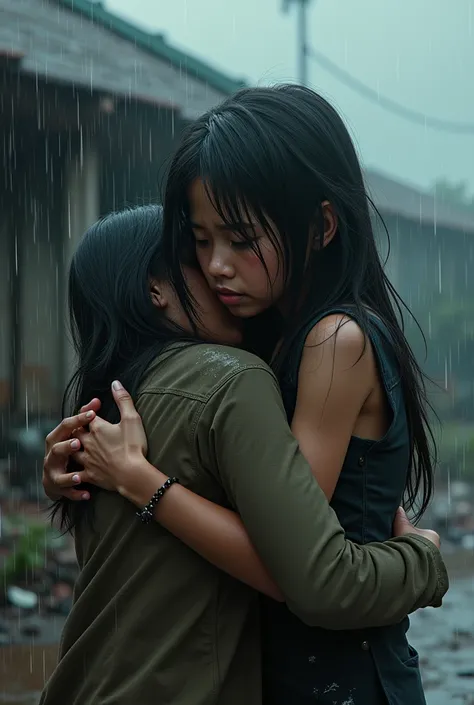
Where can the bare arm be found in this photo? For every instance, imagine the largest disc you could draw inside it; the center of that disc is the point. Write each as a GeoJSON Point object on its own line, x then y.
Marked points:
{"type": "Point", "coordinates": [325, 579]}
{"type": "Point", "coordinates": [337, 374]}
{"type": "Point", "coordinates": [335, 379]}
{"type": "Point", "coordinates": [330, 375]}
{"type": "Point", "coordinates": [214, 532]}
{"type": "Point", "coordinates": [333, 383]}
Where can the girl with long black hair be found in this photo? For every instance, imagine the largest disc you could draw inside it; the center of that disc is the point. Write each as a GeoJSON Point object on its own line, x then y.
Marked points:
{"type": "Point", "coordinates": [269, 191]}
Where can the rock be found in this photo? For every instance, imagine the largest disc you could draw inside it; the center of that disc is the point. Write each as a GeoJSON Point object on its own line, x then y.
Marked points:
{"type": "Point", "coordinates": [23, 599]}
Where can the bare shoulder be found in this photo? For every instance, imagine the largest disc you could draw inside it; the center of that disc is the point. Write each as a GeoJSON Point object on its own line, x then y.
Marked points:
{"type": "Point", "coordinates": [338, 343]}
{"type": "Point", "coordinates": [340, 336]}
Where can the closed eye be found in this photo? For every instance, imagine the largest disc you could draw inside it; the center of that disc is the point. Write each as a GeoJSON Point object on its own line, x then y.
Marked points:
{"type": "Point", "coordinates": [245, 244]}
{"type": "Point", "coordinates": [242, 244]}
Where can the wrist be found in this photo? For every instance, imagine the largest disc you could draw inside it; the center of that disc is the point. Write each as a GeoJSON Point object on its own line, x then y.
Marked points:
{"type": "Point", "coordinates": [141, 482]}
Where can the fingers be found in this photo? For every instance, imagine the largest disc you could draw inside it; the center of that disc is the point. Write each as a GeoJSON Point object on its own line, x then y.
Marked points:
{"type": "Point", "coordinates": [75, 495]}
{"type": "Point", "coordinates": [59, 484]}
{"type": "Point", "coordinates": [80, 460]}
{"type": "Point", "coordinates": [64, 449]}
{"type": "Point", "coordinates": [67, 426]}
{"type": "Point", "coordinates": [402, 524]}
{"type": "Point", "coordinates": [93, 405]}
{"type": "Point", "coordinates": [67, 480]}
{"type": "Point", "coordinates": [80, 435]}
{"type": "Point", "coordinates": [432, 536]}
{"type": "Point", "coordinates": [64, 486]}
{"type": "Point", "coordinates": [123, 401]}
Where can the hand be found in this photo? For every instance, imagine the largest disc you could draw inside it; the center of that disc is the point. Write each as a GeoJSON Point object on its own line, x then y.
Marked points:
{"type": "Point", "coordinates": [59, 447]}
{"type": "Point", "coordinates": [403, 526]}
{"type": "Point", "coordinates": [112, 452]}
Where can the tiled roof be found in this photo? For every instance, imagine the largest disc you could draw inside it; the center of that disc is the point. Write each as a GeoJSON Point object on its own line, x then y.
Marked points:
{"type": "Point", "coordinates": [77, 41]}
{"type": "Point", "coordinates": [80, 42]}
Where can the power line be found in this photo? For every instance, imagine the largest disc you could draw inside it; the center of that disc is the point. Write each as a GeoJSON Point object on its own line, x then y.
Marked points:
{"type": "Point", "coordinates": [387, 103]}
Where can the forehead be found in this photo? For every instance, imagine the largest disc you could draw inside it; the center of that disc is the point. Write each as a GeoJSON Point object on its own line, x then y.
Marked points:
{"type": "Point", "coordinates": [203, 212]}
{"type": "Point", "coordinates": [199, 201]}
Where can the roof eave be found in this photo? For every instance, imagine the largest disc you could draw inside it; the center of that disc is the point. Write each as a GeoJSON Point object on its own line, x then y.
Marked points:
{"type": "Point", "coordinates": [96, 12]}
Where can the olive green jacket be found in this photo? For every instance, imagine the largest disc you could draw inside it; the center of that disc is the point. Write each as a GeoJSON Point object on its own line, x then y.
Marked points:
{"type": "Point", "coordinates": [152, 622]}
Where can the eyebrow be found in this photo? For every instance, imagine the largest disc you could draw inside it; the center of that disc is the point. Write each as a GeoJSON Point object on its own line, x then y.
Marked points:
{"type": "Point", "coordinates": [225, 227]}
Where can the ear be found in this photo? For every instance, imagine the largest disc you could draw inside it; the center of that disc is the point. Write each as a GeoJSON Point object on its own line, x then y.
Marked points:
{"type": "Point", "coordinates": [158, 295]}
{"type": "Point", "coordinates": [330, 222]}
{"type": "Point", "coordinates": [329, 225]}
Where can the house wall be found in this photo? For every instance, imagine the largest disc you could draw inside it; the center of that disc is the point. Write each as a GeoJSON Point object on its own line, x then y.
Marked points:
{"type": "Point", "coordinates": [135, 153]}
{"type": "Point", "coordinates": [5, 307]}
{"type": "Point", "coordinates": [62, 183]}
{"type": "Point", "coordinates": [38, 223]}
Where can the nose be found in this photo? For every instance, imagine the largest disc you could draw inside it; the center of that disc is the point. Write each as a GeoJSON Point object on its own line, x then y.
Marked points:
{"type": "Point", "coordinates": [220, 264]}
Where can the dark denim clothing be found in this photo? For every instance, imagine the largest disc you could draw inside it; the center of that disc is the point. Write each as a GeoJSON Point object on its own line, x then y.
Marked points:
{"type": "Point", "coordinates": [305, 665]}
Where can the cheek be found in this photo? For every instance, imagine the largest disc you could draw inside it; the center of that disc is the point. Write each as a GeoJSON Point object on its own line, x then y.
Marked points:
{"type": "Point", "coordinates": [253, 261]}
{"type": "Point", "coordinates": [268, 274]}
{"type": "Point", "coordinates": [203, 259]}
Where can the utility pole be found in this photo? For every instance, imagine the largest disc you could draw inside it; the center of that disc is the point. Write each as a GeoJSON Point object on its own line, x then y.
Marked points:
{"type": "Point", "coordinates": [302, 37]}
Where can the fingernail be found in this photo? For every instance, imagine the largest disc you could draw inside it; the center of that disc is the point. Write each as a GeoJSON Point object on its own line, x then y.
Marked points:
{"type": "Point", "coordinates": [75, 445]}
{"type": "Point", "coordinates": [76, 478]}
{"type": "Point", "coordinates": [116, 386]}
{"type": "Point", "coordinates": [85, 496]}
{"type": "Point", "coordinates": [89, 414]}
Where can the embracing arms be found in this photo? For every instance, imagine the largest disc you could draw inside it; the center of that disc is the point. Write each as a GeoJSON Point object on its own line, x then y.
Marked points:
{"type": "Point", "coordinates": [325, 579]}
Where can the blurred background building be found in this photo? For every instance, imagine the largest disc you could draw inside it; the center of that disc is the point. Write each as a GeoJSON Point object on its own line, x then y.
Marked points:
{"type": "Point", "coordinates": [91, 107]}
{"type": "Point", "coordinates": [91, 110]}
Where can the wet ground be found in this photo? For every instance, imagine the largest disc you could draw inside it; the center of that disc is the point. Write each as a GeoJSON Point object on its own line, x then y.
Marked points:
{"type": "Point", "coordinates": [444, 638]}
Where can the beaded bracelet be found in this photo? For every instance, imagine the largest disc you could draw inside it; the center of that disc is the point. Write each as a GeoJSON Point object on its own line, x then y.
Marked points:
{"type": "Point", "coordinates": [146, 514]}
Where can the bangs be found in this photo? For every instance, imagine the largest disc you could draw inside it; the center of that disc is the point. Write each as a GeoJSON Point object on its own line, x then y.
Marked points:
{"type": "Point", "coordinates": [238, 185]}
{"type": "Point", "coordinates": [252, 176]}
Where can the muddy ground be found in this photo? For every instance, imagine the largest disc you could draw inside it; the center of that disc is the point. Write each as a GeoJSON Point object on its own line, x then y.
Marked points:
{"type": "Point", "coordinates": [444, 638]}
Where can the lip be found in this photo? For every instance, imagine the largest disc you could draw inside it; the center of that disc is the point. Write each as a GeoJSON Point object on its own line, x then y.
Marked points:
{"type": "Point", "coordinates": [229, 297]}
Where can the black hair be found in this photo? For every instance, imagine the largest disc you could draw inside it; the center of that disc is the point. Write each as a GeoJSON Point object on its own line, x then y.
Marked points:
{"type": "Point", "coordinates": [116, 330]}
{"type": "Point", "coordinates": [274, 155]}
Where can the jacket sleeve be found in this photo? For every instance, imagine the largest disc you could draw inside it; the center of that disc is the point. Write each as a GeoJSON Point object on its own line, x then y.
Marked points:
{"type": "Point", "coordinates": [242, 436]}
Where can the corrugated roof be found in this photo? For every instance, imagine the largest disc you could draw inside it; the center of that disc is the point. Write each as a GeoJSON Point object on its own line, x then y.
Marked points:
{"type": "Point", "coordinates": [391, 196]}
{"type": "Point", "coordinates": [76, 41]}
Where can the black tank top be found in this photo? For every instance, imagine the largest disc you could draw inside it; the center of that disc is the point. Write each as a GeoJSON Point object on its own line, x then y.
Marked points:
{"type": "Point", "coordinates": [305, 665]}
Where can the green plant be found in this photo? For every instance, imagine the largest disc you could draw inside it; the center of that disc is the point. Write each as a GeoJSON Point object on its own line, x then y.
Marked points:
{"type": "Point", "coordinates": [456, 450]}
{"type": "Point", "coordinates": [28, 553]}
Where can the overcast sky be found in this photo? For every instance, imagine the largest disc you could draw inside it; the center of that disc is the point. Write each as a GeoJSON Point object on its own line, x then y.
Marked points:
{"type": "Point", "coordinates": [417, 52]}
